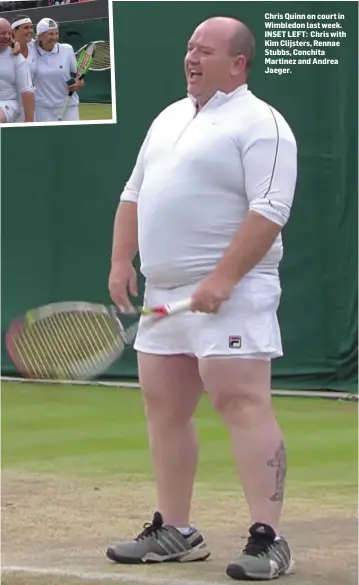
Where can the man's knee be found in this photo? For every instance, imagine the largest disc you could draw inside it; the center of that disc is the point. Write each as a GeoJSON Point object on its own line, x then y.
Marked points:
{"type": "Point", "coordinates": [164, 409]}
{"type": "Point", "coordinates": [239, 389]}
{"type": "Point", "coordinates": [171, 388]}
{"type": "Point", "coordinates": [237, 405]}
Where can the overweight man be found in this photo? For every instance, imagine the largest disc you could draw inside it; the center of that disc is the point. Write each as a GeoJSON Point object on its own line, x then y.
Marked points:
{"type": "Point", "coordinates": [210, 193]}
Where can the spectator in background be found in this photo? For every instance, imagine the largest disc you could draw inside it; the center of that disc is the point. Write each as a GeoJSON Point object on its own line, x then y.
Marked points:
{"type": "Point", "coordinates": [46, 3]}
{"type": "Point", "coordinates": [15, 5]}
{"type": "Point", "coordinates": [7, 5]}
{"type": "Point", "coordinates": [4, 6]}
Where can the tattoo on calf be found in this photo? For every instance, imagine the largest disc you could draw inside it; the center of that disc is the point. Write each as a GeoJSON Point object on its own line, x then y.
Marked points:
{"type": "Point", "coordinates": [279, 461]}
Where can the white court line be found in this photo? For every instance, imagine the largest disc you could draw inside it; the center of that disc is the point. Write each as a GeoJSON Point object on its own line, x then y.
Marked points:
{"type": "Point", "coordinates": [101, 576]}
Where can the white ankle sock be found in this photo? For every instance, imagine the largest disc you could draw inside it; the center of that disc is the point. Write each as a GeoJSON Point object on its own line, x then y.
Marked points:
{"type": "Point", "coordinates": [185, 531]}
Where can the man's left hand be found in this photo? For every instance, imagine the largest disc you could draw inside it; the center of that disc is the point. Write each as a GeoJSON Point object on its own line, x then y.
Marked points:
{"type": "Point", "coordinates": [211, 293]}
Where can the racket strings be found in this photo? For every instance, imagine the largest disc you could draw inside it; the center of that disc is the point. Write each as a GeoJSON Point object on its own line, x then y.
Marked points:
{"type": "Point", "coordinates": [131, 333]}
{"type": "Point", "coordinates": [67, 345]}
{"type": "Point", "coordinates": [102, 57]}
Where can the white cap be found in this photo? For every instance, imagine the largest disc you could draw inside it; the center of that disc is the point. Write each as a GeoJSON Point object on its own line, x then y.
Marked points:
{"type": "Point", "coordinates": [45, 25]}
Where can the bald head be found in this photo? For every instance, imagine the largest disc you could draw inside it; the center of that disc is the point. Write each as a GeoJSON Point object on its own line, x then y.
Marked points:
{"type": "Point", "coordinates": [243, 43]}
{"type": "Point", "coordinates": [5, 34]}
{"type": "Point", "coordinates": [4, 23]}
{"type": "Point", "coordinates": [240, 39]}
{"type": "Point", "coordinates": [219, 53]}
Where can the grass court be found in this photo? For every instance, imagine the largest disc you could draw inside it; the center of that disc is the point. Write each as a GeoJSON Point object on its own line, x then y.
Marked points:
{"type": "Point", "coordinates": [76, 475]}
{"type": "Point", "coordinates": [95, 111]}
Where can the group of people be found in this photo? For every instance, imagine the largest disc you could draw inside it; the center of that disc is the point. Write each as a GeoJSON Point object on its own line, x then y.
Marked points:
{"type": "Point", "coordinates": [16, 5]}
{"type": "Point", "coordinates": [36, 74]}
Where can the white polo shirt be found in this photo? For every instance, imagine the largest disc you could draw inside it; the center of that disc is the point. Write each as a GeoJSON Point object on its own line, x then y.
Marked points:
{"type": "Point", "coordinates": [198, 175]}
{"type": "Point", "coordinates": [15, 77]}
{"type": "Point", "coordinates": [53, 69]}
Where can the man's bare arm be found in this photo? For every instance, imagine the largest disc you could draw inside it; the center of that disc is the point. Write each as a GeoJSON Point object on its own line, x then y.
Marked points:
{"type": "Point", "coordinates": [125, 233]}
{"type": "Point", "coordinates": [251, 243]}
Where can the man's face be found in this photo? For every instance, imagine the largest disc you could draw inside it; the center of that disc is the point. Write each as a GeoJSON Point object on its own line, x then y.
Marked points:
{"type": "Point", "coordinates": [5, 34]}
{"type": "Point", "coordinates": [24, 33]}
{"type": "Point", "coordinates": [208, 65]}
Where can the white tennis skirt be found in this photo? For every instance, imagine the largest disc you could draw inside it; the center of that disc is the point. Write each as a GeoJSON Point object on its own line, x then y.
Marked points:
{"type": "Point", "coordinates": [246, 325]}
{"type": "Point", "coordinates": [51, 114]}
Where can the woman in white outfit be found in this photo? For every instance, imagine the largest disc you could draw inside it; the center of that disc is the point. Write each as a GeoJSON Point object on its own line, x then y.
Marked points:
{"type": "Point", "coordinates": [22, 31]}
{"type": "Point", "coordinates": [56, 64]}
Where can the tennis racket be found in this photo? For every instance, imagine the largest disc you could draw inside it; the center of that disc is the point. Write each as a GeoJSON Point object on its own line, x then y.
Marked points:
{"type": "Point", "coordinates": [76, 340]}
{"type": "Point", "coordinates": [84, 61]}
{"type": "Point", "coordinates": [102, 58]}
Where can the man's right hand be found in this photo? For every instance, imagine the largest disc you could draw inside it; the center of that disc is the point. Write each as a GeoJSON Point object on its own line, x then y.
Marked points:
{"type": "Point", "coordinates": [122, 282]}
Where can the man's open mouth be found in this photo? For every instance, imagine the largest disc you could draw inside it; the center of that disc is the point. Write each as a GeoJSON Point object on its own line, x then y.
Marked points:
{"type": "Point", "coordinates": [194, 73]}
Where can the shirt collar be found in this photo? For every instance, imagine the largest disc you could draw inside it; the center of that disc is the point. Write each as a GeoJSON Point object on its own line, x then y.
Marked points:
{"type": "Point", "coordinates": [220, 97]}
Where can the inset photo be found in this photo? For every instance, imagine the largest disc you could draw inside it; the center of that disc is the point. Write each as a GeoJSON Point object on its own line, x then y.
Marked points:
{"type": "Point", "coordinates": [56, 63]}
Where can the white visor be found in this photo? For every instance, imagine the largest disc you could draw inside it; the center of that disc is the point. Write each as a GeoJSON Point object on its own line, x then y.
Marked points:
{"type": "Point", "coordinates": [20, 22]}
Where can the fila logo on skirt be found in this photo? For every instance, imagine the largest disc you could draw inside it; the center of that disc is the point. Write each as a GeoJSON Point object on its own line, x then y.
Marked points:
{"type": "Point", "coordinates": [235, 341]}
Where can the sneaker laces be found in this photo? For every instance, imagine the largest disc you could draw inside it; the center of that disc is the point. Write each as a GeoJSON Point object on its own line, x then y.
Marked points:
{"type": "Point", "coordinates": [151, 528]}
{"type": "Point", "coordinates": [257, 546]}
{"type": "Point", "coordinates": [258, 543]}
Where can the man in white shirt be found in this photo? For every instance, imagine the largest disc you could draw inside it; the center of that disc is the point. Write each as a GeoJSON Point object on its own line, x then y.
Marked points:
{"type": "Point", "coordinates": [16, 86]}
{"type": "Point", "coordinates": [211, 190]}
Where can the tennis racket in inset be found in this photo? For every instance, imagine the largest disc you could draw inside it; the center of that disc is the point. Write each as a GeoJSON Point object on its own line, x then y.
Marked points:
{"type": "Point", "coordinates": [102, 57]}
{"type": "Point", "coordinates": [84, 61]}
{"type": "Point", "coordinates": [76, 340]}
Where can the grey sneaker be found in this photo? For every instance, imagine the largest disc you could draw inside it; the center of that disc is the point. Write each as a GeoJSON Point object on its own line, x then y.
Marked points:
{"type": "Point", "coordinates": [264, 557]}
{"type": "Point", "coordinates": [158, 543]}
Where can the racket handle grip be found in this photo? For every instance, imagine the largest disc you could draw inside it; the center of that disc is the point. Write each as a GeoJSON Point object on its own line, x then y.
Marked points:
{"type": "Point", "coordinates": [177, 307]}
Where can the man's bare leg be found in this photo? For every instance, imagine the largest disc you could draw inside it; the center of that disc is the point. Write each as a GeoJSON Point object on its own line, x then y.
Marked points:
{"type": "Point", "coordinates": [171, 388]}
{"type": "Point", "coordinates": [240, 391]}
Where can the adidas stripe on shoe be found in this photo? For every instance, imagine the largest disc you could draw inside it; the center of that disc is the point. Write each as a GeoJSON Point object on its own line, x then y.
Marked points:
{"type": "Point", "coordinates": [159, 543]}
